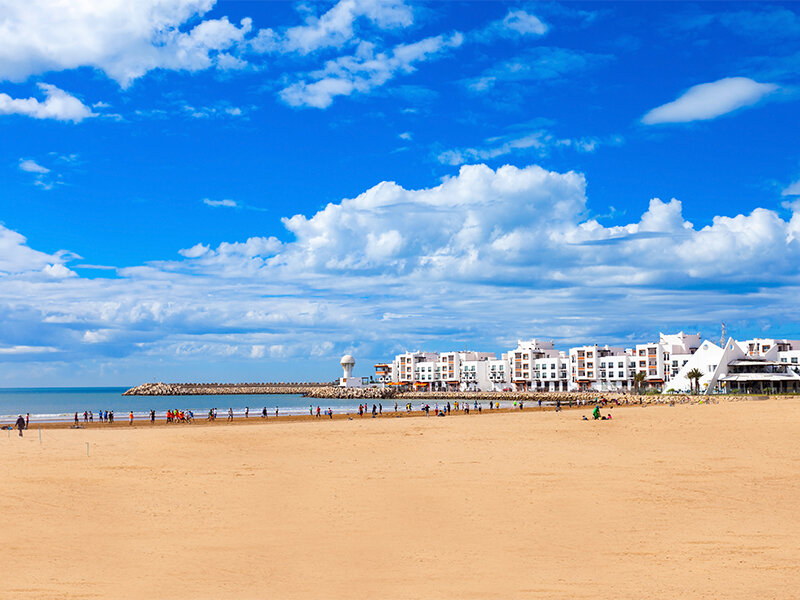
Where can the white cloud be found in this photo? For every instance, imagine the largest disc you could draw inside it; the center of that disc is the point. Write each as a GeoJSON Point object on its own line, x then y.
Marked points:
{"type": "Point", "coordinates": [26, 349]}
{"type": "Point", "coordinates": [363, 71]}
{"type": "Point", "coordinates": [226, 203]}
{"type": "Point", "coordinates": [406, 135]}
{"type": "Point", "coordinates": [524, 23]}
{"type": "Point", "coordinates": [335, 27]}
{"type": "Point", "coordinates": [31, 166]}
{"type": "Point", "coordinates": [540, 143]}
{"type": "Point", "coordinates": [195, 251]}
{"type": "Point", "coordinates": [17, 257]}
{"type": "Point", "coordinates": [516, 24]}
{"type": "Point", "coordinates": [485, 255]}
{"type": "Point", "coordinates": [209, 112]}
{"type": "Point", "coordinates": [792, 189]}
{"type": "Point", "coordinates": [541, 63]}
{"type": "Point", "coordinates": [710, 100]}
{"type": "Point", "coordinates": [123, 39]}
{"type": "Point", "coordinates": [58, 105]}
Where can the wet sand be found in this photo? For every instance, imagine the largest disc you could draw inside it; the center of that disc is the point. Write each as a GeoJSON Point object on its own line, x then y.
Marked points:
{"type": "Point", "coordinates": [690, 501]}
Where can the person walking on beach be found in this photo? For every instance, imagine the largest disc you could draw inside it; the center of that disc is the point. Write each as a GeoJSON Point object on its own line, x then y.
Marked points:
{"type": "Point", "coordinates": [318, 412]}
{"type": "Point", "coordinates": [20, 425]}
{"type": "Point", "coordinates": [152, 416]}
{"type": "Point", "coordinates": [330, 412]}
{"type": "Point", "coordinates": [276, 411]}
{"type": "Point", "coordinates": [76, 418]}
{"type": "Point", "coordinates": [85, 417]}
{"type": "Point", "coordinates": [360, 410]}
{"type": "Point", "coordinates": [311, 410]}
{"type": "Point", "coordinates": [91, 417]}
{"type": "Point", "coordinates": [130, 417]}
{"type": "Point", "coordinates": [374, 411]}
{"type": "Point", "coordinates": [264, 413]}
{"type": "Point", "coordinates": [230, 414]}
{"type": "Point", "coordinates": [246, 412]}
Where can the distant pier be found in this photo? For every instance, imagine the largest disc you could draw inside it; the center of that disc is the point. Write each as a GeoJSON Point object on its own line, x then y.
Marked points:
{"type": "Point", "coordinates": [212, 389]}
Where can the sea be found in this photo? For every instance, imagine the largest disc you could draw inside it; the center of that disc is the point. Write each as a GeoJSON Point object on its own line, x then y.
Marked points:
{"type": "Point", "coordinates": [52, 405]}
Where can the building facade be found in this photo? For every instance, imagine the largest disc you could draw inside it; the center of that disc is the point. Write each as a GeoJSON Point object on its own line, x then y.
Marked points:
{"type": "Point", "coordinates": [661, 365]}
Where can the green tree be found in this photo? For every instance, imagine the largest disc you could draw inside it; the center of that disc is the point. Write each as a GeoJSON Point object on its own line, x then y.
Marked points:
{"type": "Point", "coordinates": [695, 375]}
{"type": "Point", "coordinates": [638, 380]}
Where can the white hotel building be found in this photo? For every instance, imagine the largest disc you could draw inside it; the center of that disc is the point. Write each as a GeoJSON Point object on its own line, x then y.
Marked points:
{"type": "Point", "coordinates": [535, 365]}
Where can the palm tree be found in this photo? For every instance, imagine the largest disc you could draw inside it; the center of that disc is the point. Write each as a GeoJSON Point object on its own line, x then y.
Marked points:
{"type": "Point", "coordinates": [638, 380]}
{"type": "Point", "coordinates": [695, 375]}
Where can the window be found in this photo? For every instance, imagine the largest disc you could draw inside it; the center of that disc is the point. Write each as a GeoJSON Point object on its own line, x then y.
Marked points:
{"type": "Point", "coordinates": [674, 363]}
{"type": "Point", "coordinates": [622, 375]}
{"type": "Point", "coordinates": [621, 365]}
{"type": "Point", "coordinates": [794, 360]}
{"type": "Point", "coordinates": [642, 352]}
{"type": "Point", "coordinates": [642, 363]}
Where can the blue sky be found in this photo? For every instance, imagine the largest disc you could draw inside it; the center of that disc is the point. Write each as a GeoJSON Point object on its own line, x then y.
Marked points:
{"type": "Point", "coordinates": [194, 190]}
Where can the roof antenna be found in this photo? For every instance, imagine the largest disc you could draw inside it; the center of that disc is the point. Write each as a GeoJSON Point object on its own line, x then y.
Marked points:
{"type": "Point", "coordinates": [724, 338]}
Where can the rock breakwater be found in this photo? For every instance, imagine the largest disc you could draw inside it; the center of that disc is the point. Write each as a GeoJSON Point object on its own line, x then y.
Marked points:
{"type": "Point", "coordinates": [210, 389]}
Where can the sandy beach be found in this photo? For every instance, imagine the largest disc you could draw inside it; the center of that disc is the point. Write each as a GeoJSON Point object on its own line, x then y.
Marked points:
{"type": "Point", "coordinates": [690, 501]}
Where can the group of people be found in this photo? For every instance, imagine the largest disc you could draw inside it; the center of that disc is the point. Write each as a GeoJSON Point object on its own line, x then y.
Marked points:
{"type": "Point", "coordinates": [327, 413]}
{"type": "Point", "coordinates": [173, 416]}
{"type": "Point", "coordinates": [212, 413]}
{"type": "Point", "coordinates": [103, 416]}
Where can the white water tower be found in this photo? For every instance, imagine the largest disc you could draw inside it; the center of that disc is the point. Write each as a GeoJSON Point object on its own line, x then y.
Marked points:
{"type": "Point", "coordinates": [347, 362]}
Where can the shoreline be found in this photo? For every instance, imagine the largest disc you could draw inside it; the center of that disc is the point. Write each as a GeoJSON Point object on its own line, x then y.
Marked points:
{"type": "Point", "coordinates": [122, 421]}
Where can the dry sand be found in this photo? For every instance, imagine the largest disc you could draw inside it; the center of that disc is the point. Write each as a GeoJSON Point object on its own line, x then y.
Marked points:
{"type": "Point", "coordinates": [661, 502]}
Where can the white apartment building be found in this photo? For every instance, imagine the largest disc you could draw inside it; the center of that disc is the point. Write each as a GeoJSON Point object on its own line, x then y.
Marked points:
{"type": "Point", "coordinates": [445, 371]}
{"type": "Point", "coordinates": [499, 373]}
{"type": "Point", "coordinates": [403, 366]}
{"type": "Point", "coordinates": [535, 365]}
{"type": "Point", "coordinates": [600, 368]}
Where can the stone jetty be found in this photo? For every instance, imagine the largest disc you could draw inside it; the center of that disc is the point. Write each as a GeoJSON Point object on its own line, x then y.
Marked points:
{"type": "Point", "coordinates": [210, 389]}
{"type": "Point", "coordinates": [326, 390]}
{"type": "Point", "coordinates": [567, 398]}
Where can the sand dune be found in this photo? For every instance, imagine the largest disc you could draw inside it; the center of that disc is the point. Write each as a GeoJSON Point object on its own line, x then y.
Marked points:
{"type": "Point", "coordinates": [661, 502]}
